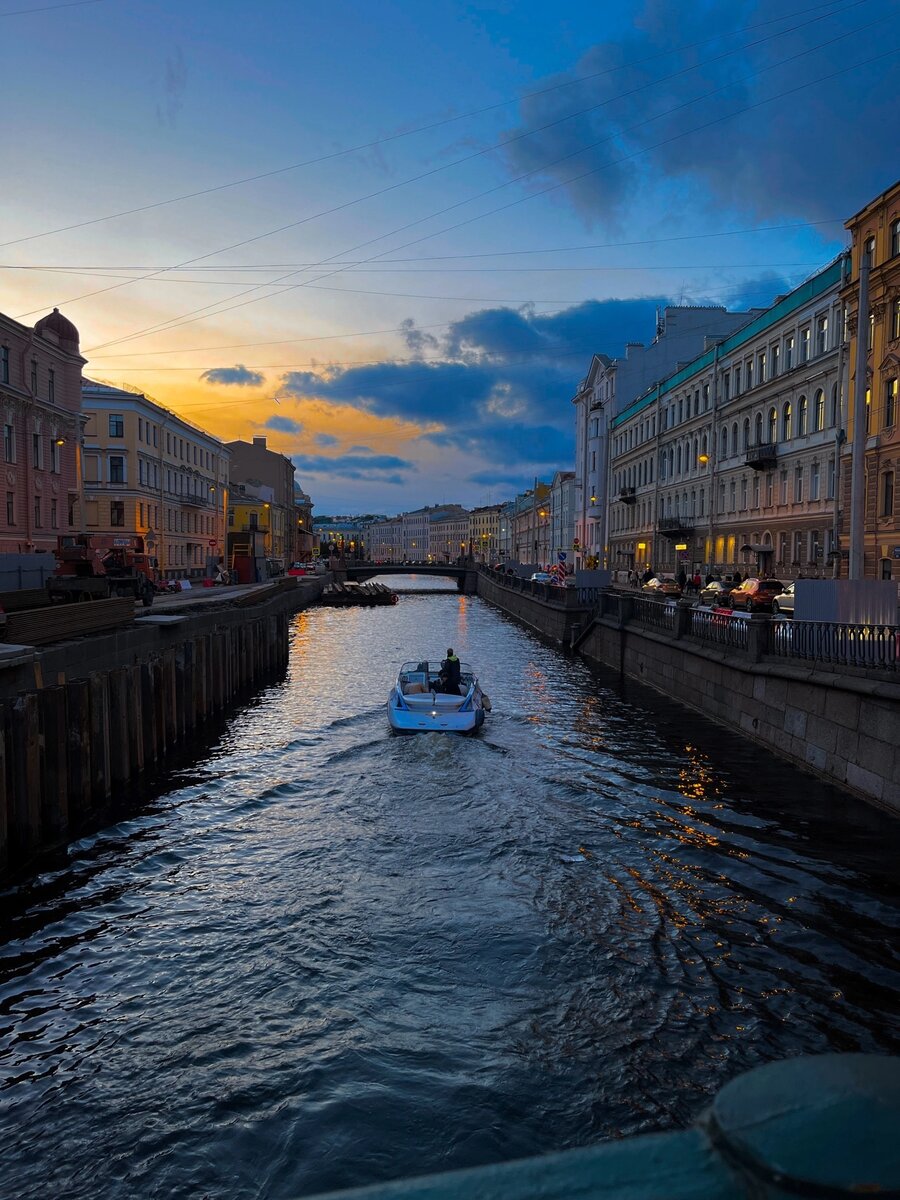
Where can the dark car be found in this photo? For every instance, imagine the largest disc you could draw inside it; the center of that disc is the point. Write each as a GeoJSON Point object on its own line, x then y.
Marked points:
{"type": "Point", "coordinates": [755, 595]}
{"type": "Point", "coordinates": [714, 594]}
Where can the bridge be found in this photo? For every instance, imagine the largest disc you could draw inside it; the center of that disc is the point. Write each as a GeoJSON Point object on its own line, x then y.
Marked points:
{"type": "Point", "coordinates": [466, 576]}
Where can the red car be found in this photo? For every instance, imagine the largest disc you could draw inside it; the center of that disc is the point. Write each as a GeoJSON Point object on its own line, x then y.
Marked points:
{"type": "Point", "coordinates": [755, 595]}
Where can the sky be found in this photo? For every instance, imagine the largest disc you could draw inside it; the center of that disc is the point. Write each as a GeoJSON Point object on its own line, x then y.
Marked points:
{"type": "Point", "coordinates": [389, 236]}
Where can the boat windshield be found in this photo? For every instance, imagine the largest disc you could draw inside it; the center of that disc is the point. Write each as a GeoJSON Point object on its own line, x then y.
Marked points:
{"type": "Point", "coordinates": [433, 668]}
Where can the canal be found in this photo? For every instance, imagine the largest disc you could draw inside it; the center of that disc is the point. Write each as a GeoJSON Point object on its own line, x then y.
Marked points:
{"type": "Point", "coordinates": [327, 956]}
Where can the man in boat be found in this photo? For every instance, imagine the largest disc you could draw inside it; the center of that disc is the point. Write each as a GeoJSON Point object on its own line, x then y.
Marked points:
{"type": "Point", "coordinates": [450, 673]}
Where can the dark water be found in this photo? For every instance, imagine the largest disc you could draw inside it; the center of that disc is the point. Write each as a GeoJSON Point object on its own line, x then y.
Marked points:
{"type": "Point", "coordinates": [329, 956]}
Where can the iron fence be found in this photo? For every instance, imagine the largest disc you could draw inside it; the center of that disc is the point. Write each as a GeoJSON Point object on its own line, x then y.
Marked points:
{"type": "Point", "coordinates": [723, 629]}
{"type": "Point", "coordinates": [874, 646]}
{"type": "Point", "coordinates": [656, 613]}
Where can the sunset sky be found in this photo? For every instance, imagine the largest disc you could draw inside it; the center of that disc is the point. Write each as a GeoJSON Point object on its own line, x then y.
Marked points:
{"type": "Point", "coordinates": [390, 235]}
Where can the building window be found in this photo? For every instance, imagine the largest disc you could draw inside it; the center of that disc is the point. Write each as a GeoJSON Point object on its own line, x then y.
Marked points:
{"type": "Point", "coordinates": [116, 425]}
{"type": "Point", "coordinates": [786, 422]}
{"type": "Point", "coordinates": [762, 366]}
{"type": "Point", "coordinates": [36, 458]}
{"type": "Point", "coordinates": [804, 344]}
{"type": "Point", "coordinates": [749, 374]}
{"type": "Point", "coordinates": [895, 322]}
{"type": "Point", "coordinates": [798, 545]}
{"type": "Point", "coordinates": [746, 434]}
{"type": "Point", "coordinates": [10, 508]}
{"type": "Point", "coordinates": [819, 411]}
{"type": "Point", "coordinates": [869, 251]}
{"type": "Point", "coordinates": [870, 331]}
{"type": "Point", "coordinates": [117, 513]}
{"type": "Point", "coordinates": [706, 396]}
{"type": "Point", "coordinates": [784, 487]}
{"type": "Point", "coordinates": [756, 489]}
{"type": "Point", "coordinates": [868, 409]}
{"type": "Point", "coordinates": [4, 364]}
{"type": "Point", "coordinates": [887, 494]}
{"type": "Point", "coordinates": [743, 494]}
{"type": "Point", "coordinates": [726, 386]}
{"type": "Point", "coordinates": [770, 489]}
{"type": "Point", "coordinates": [774, 354]}
{"type": "Point", "coordinates": [734, 439]}
{"type": "Point", "coordinates": [835, 404]}
{"type": "Point", "coordinates": [830, 492]}
{"type": "Point", "coordinates": [51, 385]}
{"type": "Point", "coordinates": [773, 425]}
{"type": "Point", "coordinates": [37, 512]}
{"type": "Point", "coordinates": [54, 515]}
{"type": "Point", "coordinates": [788, 353]}
{"type": "Point", "coordinates": [814, 481]}
{"type": "Point", "coordinates": [758, 429]}
{"type": "Point", "coordinates": [798, 485]}
{"type": "Point", "coordinates": [737, 381]}
{"type": "Point", "coordinates": [821, 335]}
{"type": "Point", "coordinates": [116, 468]}
{"type": "Point", "coordinates": [814, 547]}
{"type": "Point", "coordinates": [724, 446]}
{"type": "Point", "coordinates": [801, 416]}
{"type": "Point", "coordinates": [890, 402]}
{"type": "Point", "coordinates": [34, 377]}
{"type": "Point", "coordinates": [895, 238]}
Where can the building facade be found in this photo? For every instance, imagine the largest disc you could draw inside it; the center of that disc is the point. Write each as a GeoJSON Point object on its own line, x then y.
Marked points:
{"type": "Point", "coordinates": [448, 534]}
{"type": "Point", "coordinates": [40, 393]}
{"type": "Point", "coordinates": [386, 541]}
{"type": "Point", "coordinates": [484, 532]}
{"type": "Point", "coordinates": [530, 520]}
{"type": "Point", "coordinates": [875, 232]}
{"type": "Point", "coordinates": [731, 462]}
{"type": "Point", "coordinates": [562, 519]}
{"type": "Point", "coordinates": [149, 472]}
{"type": "Point", "coordinates": [610, 386]}
{"type": "Point", "coordinates": [255, 465]}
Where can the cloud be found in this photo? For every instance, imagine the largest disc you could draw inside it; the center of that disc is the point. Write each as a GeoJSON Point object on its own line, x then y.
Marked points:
{"type": "Point", "coordinates": [326, 439]}
{"type": "Point", "coordinates": [417, 341]}
{"type": "Point", "coordinates": [283, 425]}
{"type": "Point", "coordinates": [625, 146]}
{"type": "Point", "coordinates": [379, 468]}
{"type": "Point", "coordinates": [239, 376]}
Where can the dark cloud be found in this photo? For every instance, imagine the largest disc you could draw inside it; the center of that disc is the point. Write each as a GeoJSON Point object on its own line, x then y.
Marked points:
{"type": "Point", "coordinates": [417, 341]}
{"type": "Point", "coordinates": [283, 425]}
{"type": "Point", "coordinates": [377, 468]}
{"type": "Point", "coordinates": [819, 152]}
{"type": "Point", "coordinates": [239, 376]}
{"type": "Point", "coordinates": [326, 439]}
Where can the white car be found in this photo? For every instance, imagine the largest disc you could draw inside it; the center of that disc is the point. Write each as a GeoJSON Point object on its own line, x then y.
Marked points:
{"type": "Point", "coordinates": [541, 577]}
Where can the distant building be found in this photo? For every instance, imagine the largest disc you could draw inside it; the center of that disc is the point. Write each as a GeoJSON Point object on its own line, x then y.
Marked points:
{"type": "Point", "coordinates": [40, 393]}
{"type": "Point", "coordinates": [448, 533]}
{"type": "Point", "coordinates": [254, 465]}
{"type": "Point", "coordinates": [562, 520]}
{"type": "Point", "coordinates": [530, 519]}
{"type": "Point", "coordinates": [484, 532]}
{"type": "Point", "coordinates": [304, 537]}
{"type": "Point", "coordinates": [875, 231]}
{"type": "Point", "coordinates": [386, 540]}
{"type": "Point", "coordinates": [147, 471]}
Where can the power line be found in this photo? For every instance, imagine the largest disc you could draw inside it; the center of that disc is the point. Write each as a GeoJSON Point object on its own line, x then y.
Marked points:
{"type": "Point", "coordinates": [191, 317]}
{"type": "Point", "coordinates": [20, 12]}
{"type": "Point", "coordinates": [475, 154]}
{"type": "Point", "coordinates": [409, 132]}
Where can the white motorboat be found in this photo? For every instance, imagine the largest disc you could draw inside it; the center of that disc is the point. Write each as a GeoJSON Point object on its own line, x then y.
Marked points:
{"type": "Point", "coordinates": [417, 705]}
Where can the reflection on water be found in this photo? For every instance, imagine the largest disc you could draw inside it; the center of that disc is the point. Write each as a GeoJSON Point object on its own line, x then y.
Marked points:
{"type": "Point", "coordinates": [328, 955]}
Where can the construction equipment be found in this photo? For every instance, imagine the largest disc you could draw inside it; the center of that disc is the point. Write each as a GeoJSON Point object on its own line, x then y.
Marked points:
{"type": "Point", "coordinates": [102, 566]}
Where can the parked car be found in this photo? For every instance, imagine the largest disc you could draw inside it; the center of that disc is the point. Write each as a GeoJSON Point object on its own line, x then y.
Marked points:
{"type": "Point", "coordinates": [662, 586]}
{"type": "Point", "coordinates": [755, 595]}
{"type": "Point", "coordinates": [714, 594]}
{"type": "Point", "coordinates": [541, 577]}
{"type": "Point", "coordinates": [784, 601]}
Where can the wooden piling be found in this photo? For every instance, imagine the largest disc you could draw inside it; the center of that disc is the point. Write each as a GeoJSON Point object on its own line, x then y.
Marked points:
{"type": "Point", "coordinates": [54, 765]}
{"type": "Point", "coordinates": [78, 753]}
{"type": "Point", "coordinates": [25, 826]}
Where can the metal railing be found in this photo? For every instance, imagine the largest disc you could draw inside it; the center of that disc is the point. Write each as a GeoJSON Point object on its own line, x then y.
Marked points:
{"type": "Point", "coordinates": [722, 629]}
{"type": "Point", "coordinates": [656, 613]}
{"type": "Point", "coordinates": [872, 646]}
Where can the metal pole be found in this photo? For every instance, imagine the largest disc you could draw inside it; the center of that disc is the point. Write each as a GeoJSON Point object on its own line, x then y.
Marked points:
{"type": "Point", "coordinates": [858, 448]}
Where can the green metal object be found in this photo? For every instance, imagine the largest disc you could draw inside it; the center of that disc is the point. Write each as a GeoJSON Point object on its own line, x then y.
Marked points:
{"type": "Point", "coordinates": [821, 1128]}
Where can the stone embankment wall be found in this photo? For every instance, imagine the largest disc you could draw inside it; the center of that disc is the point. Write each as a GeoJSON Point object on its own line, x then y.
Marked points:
{"type": "Point", "coordinates": [80, 722]}
{"type": "Point", "coordinates": [840, 725]}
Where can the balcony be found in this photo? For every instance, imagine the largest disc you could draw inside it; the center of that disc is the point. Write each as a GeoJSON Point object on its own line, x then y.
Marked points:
{"type": "Point", "coordinates": [760, 458]}
{"type": "Point", "coordinates": [676, 527]}
{"type": "Point", "coordinates": [627, 496]}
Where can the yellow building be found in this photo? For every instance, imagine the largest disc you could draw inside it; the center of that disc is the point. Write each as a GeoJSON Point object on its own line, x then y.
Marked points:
{"type": "Point", "coordinates": [149, 472]}
{"type": "Point", "coordinates": [876, 232]}
{"type": "Point", "coordinates": [484, 532]}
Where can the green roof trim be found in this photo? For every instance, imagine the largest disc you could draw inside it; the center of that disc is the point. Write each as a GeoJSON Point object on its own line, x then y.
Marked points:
{"type": "Point", "coordinates": [822, 282]}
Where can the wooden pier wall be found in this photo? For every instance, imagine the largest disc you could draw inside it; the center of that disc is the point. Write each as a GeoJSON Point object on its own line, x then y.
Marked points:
{"type": "Point", "coordinates": [81, 722]}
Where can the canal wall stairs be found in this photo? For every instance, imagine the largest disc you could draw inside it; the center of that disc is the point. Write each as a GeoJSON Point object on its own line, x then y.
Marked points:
{"type": "Point", "coordinates": [841, 724]}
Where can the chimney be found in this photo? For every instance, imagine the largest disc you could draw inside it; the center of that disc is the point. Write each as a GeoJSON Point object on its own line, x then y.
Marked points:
{"type": "Point", "coordinates": [260, 441]}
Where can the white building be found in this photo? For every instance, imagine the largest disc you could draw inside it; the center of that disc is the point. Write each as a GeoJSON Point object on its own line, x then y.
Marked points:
{"type": "Point", "coordinates": [562, 519]}
{"type": "Point", "coordinates": [730, 462]}
{"type": "Point", "coordinates": [611, 385]}
{"type": "Point", "coordinates": [385, 540]}
{"type": "Point", "coordinates": [448, 534]}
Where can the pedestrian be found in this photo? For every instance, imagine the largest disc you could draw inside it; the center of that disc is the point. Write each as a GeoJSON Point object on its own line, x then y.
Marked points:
{"type": "Point", "coordinates": [736, 578]}
{"type": "Point", "coordinates": [695, 582]}
{"type": "Point", "coordinates": [681, 577]}
{"type": "Point", "coordinates": [450, 672]}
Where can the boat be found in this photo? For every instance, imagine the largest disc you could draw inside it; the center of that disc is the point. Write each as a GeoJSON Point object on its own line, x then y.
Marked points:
{"type": "Point", "coordinates": [342, 595]}
{"type": "Point", "coordinates": [417, 705]}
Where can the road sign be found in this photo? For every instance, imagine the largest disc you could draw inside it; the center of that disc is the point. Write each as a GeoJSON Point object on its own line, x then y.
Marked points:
{"type": "Point", "coordinates": [212, 542]}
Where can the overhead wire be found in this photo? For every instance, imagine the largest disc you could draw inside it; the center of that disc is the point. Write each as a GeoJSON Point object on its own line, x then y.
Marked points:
{"type": "Point", "coordinates": [191, 317]}
{"type": "Point", "coordinates": [466, 158]}
{"type": "Point", "coordinates": [831, 4]}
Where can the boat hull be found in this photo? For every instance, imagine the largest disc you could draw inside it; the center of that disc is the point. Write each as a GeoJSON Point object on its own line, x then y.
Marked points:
{"type": "Point", "coordinates": [434, 713]}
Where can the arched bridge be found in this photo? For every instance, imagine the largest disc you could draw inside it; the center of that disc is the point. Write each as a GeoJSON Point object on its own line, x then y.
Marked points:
{"type": "Point", "coordinates": [466, 577]}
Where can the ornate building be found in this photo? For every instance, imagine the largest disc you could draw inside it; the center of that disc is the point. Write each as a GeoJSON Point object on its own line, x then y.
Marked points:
{"type": "Point", "coordinates": [40, 393]}
{"type": "Point", "coordinates": [875, 231]}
